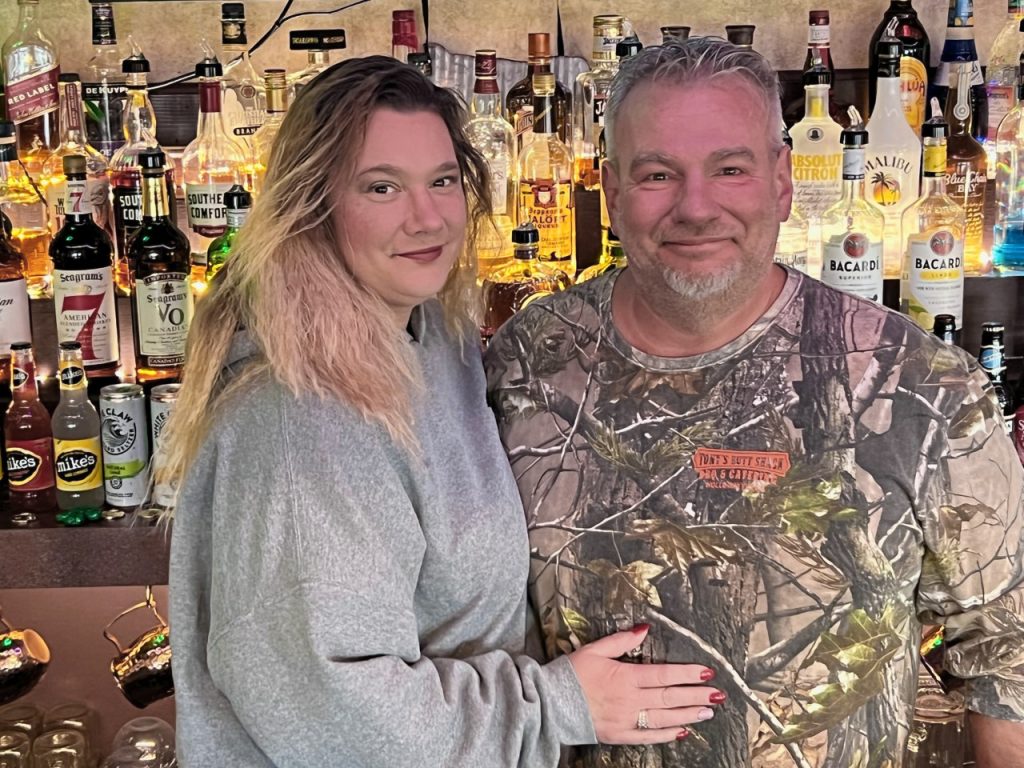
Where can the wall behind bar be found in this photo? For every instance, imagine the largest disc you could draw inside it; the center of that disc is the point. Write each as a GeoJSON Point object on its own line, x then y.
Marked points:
{"type": "Point", "coordinates": [170, 32]}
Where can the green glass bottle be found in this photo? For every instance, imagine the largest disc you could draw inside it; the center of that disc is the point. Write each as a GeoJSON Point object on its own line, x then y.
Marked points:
{"type": "Point", "coordinates": [238, 203]}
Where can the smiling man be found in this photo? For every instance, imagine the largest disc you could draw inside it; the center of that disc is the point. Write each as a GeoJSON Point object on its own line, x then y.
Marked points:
{"type": "Point", "coordinates": [784, 480]}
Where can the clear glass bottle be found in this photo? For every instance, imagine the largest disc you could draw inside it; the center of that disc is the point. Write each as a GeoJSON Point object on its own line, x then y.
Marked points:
{"type": "Point", "coordinates": [404, 35]}
{"type": "Point", "coordinates": [31, 68]}
{"type": "Point", "coordinates": [263, 141]}
{"type": "Point", "coordinates": [1002, 69]}
{"type": "Point", "coordinates": [819, 41]}
{"type": "Point", "coordinates": [77, 454]}
{"type": "Point", "coordinates": [932, 282]}
{"type": "Point", "coordinates": [74, 142]}
{"type": "Point", "coordinates": [238, 203]}
{"type": "Point", "coordinates": [519, 99]}
{"type": "Point", "coordinates": [29, 441]}
{"type": "Point", "coordinates": [966, 175]}
{"type": "Point", "coordinates": [894, 155]}
{"type": "Point", "coordinates": [546, 189]}
{"type": "Point", "coordinates": [960, 48]}
{"type": "Point", "coordinates": [318, 44]}
{"type": "Point", "coordinates": [792, 244]}
{"type": "Point", "coordinates": [590, 95]}
{"type": "Point", "coordinates": [852, 229]}
{"type": "Point", "coordinates": [103, 88]}
{"type": "Point", "coordinates": [900, 21]}
{"type": "Point", "coordinates": [15, 323]}
{"type": "Point", "coordinates": [23, 204]}
{"type": "Point", "coordinates": [494, 138]}
{"type": "Point", "coordinates": [1008, 233]}
{"type": "Point", "coordinates": [245, 100]}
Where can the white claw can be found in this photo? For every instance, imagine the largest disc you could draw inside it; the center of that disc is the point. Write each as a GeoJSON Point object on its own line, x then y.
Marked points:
{"type": "Point", "coordinates": [125, 441]}
{"type": "Point", "coordinates": [161, 402]}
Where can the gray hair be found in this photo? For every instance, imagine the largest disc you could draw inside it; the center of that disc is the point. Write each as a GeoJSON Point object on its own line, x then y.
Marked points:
{"type": "Point", "coordinates": [695, 60]}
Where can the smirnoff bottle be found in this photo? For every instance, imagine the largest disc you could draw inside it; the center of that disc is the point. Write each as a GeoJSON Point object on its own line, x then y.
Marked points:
{"type": "Point", "coordinates": [103, 88]}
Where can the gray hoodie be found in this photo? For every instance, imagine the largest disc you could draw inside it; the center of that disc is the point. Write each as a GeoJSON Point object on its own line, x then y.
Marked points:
{"type": "Point", "coordinates": [334, 603]}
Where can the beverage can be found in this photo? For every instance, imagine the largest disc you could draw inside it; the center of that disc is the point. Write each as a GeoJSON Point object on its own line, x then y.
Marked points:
{"type": "Point", "coordinates": [125, 440]}
{"type": "Point", "coordinates": [161, 402]}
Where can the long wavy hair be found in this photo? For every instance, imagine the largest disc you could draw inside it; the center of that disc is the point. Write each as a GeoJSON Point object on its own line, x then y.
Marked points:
{"type": "Point", "coordinates": [319, 330]}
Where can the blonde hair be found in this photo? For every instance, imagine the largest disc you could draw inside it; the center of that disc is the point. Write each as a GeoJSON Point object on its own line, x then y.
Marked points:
{"type": "Point", "coordinates": [318, 330]}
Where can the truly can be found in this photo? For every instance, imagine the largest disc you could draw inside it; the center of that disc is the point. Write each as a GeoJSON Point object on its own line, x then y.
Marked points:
{"type": "Point", "coordinates": [161, 402]}
{"type": "Point", "coordinates": [125, 441]}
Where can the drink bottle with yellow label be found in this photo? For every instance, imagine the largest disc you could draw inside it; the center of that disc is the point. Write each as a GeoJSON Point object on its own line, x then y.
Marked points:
{"type": "Point", "coordinates": [78, 455]}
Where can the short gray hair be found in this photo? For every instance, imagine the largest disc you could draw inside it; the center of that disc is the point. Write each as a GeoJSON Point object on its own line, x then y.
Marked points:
{"type": "Point", "coordinates": [690, 61]}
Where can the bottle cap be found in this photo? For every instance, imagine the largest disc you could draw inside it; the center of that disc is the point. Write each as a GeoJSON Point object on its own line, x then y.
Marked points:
{"type": "Point", "coordinates": [675, 32]}
{"type": "Point", "coordinates": [855, 135]}
{"type": "Point", "coordinates": [991, 327]}
{"type": "Point", "coordinates": [539, 45]}
{"type": "Point", "coordinates": [944, 323]}
{"type": "Point", "coordinates": [486, 63]}
{"type": "Point", "coordinates": [74, 164]}
{"type": "Point", "coordinates": [151, 159]}
{"type": "Point", "coordinates": [232, 11]}
{"type": "Point", "coordinates": [526, 234]}
{"type": "Point", "coordinates": [818, 74]}
{"type": "Point", "coordinates": [544, 83]}
{"type": "Point", "coordinates": [237, 198]}
{"type": "Point", "coordinates": [71, 346]}
{"type": "Point", "coordinates": [740, 34]}
{"type": "Point", "coordinates": [888, 49]}
{"type": "Point", "coordinates": [209, 67]}
{"type": "Point", "coordinates": [69, 77]}
{"type": "Point", "coordinates": [818, 18]}
{"type": "Point", "coordinates": [20, 346]}
{"type": "Point", "coordinates": [135, 64]}
{"type": "Point", "coordinates": [936, 126]}
{"type": "Point", "coordinates": [628, 46]}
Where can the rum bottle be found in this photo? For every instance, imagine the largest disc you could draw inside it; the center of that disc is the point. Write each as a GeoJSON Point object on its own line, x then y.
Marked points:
{"type": "Point", "coordinates": [83, 280]}
{"type": "Point", "coordinates": [960, 48]}
{"type": "Point", "coordinates": [852, 229]}
{"type": "Point", "coordinates": [28, 440]}
{"type": "Point", "coordinates": [1008, 233]}
{"type": "Point", "coordinates": [590, 95]}
{"type": "Point", "coordinates": [263, 140]}
{"type": "Point", "coordinates": [932, 283]}
{"type": "Point", "coordinates": [519, 99]}
{"type": "Point", "coordinates": [25, 207]}
{"type": "Point", "coordinates": [318, 44]}
{"type": "Point", "coordinates": [546, 193]}
{"type": "Point", "coordinates": [817, 153]}
{"type": "Point", "coordinates": [245, 101]}
{"type": "Point", "coordinates": [966, 178]}
{"type": "Point", "coordinates": [901, 22]}
{"type": "Point", "coordinates": [103, 88]}
{"type": "Point", "coordinates": [162, 301]}
{"type": "Point", "coordinates": [238, 203]}
{"type": "Point", "coordinates": [77, 453]}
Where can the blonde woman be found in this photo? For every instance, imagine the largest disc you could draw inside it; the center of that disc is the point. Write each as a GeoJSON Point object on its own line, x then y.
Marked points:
{"type": "Point", "coordinates": [349, 553]}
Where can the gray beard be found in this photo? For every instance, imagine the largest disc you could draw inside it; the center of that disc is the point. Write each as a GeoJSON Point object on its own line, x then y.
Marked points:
{"type": "Point", "coordinates": [707, 288]}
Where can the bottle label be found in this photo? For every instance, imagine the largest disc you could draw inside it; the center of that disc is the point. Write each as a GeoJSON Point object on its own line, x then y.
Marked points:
{"type": "Point", "coordinates": [1001, 99]}
{"type": "Point", "coordinates": [30, 464]}
{"type": "Point", "coordinates": [963, 183]}
{"type": "Point", "coordinates": [600, 103]}
{"type": "Point", "coordinates": [991, 358]}
{"type": "Point", "coordinates": [935, 278]}
{"type": "Point", "coordinates": [498, 167]}
{"type": "Point", "coordinates": [206, 212]}
{"type": "Point", "coordinates": [104, 105]}
{"type": "Point", "coordinates": [19, 378]}
{"type": "Point", "coordinates": [817, 181]}
{"type": "Point", "coordinates": [103, 25]}
{"type": "Point", "coordinates": [62, 194]}
{"type": "Point", "coordinates": [163, 304]}
{"type": "Point", "coordinates": [852, 263]}
{"type": "Point", "coordinates": [72, 376]}
{"type": "Point", "coordinates": [548, 204]}
{"type": "Point", "coordinates": [14, 314]}
{"type": "Point", "coordinates": [853, 163]}
{"type": "Point", "coordinates": [243, 113]}
{"type": "Point", "coordinates": [605, 44]}
{"type": "Point", "coordinates": [935, 159]}
{"type": "Point", "coordinates": [32, 96]}
{"type": "Point", "coordinates": [913, 91]}
{"type": "Point", "coordinates": [523, 123]}
{"type": "Point", "coordinates": [237, 218]}
{"type": "Point", "coordinates": [128, 209]}
{"type": "Point", "coordinates": [819, 35]}
{"type": "Point", "coordinates": [86, 312]}
{"type": "Point", "coordinates": [892, 180]}
{"type": "Point", "coordinates": [78, 464]}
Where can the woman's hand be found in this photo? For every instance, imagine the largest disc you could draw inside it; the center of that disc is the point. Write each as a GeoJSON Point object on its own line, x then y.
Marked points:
{"type": "Point", "coordinates": [624, 697]}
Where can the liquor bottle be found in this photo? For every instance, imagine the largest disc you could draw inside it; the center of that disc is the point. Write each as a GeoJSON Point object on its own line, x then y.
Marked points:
{"type": "Point", "coordinates": [77, 453]}
{"type": "Point", "coordinates": [590, 95]}
{"type": "Point", "coordinates": [104, 87]}
{"type": "Point", "coordinates": [211, 164]}
{"type": "Point", "coordinates": [31, 68]}
{"type": "Point", "coordinates": [992, 359]}
{"type": "Point", "coordinates": [519, 99]}
{"type": "Point", "coordinates": [1002, 70]}
{"type": "Point", "coordinates": [245, 101]}
{"type": "Point", "coordinates": [509, 289]}
{"type": "Point", "coordinates": [1008, 232]}
{"type": "Point", "coordinates": [945, 328]}
{"type": "Point", "coordinates": [932, 282]}
{"type": "Point", "coordinates": [901, 22]}
{"type": "Point", "coordinates": [961, 48]}
{"type": "Point", "coordinates": [83, 281]}
{"type": "Point", "coordinates": [28, 440]}
{"type": "Point", "coordinates": [819, 41]}
{"type": "Point", "coordinates": [740, 35]}
{"type": "Point", "coordinates": [263, 140]}
{"type": "Point", "coordinates": [613, 256]}
{"type": "Point", "coordinates": [852, 229]}
{"type": "Point", "coordinates": [546, 194]}
{"type": "Point", "coordinates": [966, 179]}
{"type": "Point", "coordinates": [237, 203]}
{"type": "Point", "coordinates": [894, 156]}
{"type": "Point", "coordinates": [495, 139]}
{"type": "Point", "coordinates": [139, 129]}
{"type": "Point", "coordinates": [792, 244]}
{"type": "Point", "coordinates": [674, 32]}
{"type": "Point", "coordinates": [73, 142]}
{"type": "Point", "coordinates": [318, 44]}
{"type": "Point", "coordinates": [26, 208]}
{"type": "Point", "coordinates": [162, 301]}
{"type": "Point", "coordinates": [404, 36]}
{"type": "Point", "coordinates": [817, 153]}
{"type": "Point", "coordinates": [15, 324]}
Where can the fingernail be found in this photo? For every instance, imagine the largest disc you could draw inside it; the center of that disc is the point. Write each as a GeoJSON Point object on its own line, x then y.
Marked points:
{"type": "Point", "coordinates": [705, 714]}
{"type": "Point", "coordinates": [707, 674]}
{"type": "Point", "coordinates": [682, 734]}
{"type": "Point", "coordinates": [639, 629]}
{"type": "Point", "coordinates": [717, 697]}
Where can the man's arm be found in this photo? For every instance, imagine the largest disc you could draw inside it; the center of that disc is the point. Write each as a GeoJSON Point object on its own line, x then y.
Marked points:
{"type": "Point", "coordinates": [997, 743]}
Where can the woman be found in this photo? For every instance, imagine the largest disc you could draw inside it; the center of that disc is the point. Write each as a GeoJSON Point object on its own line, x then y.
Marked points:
{"type": "Point", "coordinates": [349, 555]}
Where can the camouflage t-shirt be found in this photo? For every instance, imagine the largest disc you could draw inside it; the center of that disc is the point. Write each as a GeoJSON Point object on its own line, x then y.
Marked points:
{"type": "Point", "coordinates": [787, 510]}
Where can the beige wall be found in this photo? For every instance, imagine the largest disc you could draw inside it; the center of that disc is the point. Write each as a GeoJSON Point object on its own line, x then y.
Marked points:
{"type": "Point", "coordinates": [170, 32]}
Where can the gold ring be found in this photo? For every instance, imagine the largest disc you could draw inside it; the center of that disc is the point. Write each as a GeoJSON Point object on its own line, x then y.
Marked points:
{"type": "Point", "coordinates": [641, 721]}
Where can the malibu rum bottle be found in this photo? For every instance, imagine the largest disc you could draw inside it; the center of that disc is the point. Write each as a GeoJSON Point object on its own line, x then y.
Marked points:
{"type": "Point", "coordinates": [26, 209]}
{"type": "Point", "coordinates": [966, 178]}
{"type": "Point", "coordinates": [162, 301]}
{"type": "Point", "coordinates": [591, 94]}
{"type": "Point", "coordinates": [77, 454]}
{"type": "Point", "coordinates": [29, 441]}
{"type": "Point", "coordinates": [83, 281]}
{"type": "Point", "coordinates": [519, 99]}
{"type": "Point", "coordinates": [238, 203]}
{"type": "Point", "coordinates": [901, 22]}
{"type": "Point", "coordinates": [546, 194]}
{"type": "Point", "coordinates": [852, 229]}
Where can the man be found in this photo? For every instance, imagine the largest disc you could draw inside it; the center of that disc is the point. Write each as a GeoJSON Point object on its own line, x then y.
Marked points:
{"type": "Point", "coordinates": [784, 480]}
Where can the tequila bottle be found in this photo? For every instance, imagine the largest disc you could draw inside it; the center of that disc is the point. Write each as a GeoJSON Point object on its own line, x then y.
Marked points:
{"type": "Point", "coordinates": [238, 203]}
{"type": "Point", "coordinates": [817, 153]}
{"type": "Point", "coordinates": [901, 22]}
{"type": "Point", "coordinates": [1008, 233]}
{"type": "Point", "coordinates": [77, 454]}
{"type": "Point", "coordinates": [23, 204]}
{"type": "Point", "coordinates": [591, 94]}
{"type": "Point", "coordinates": [1002, 69]}
{"type": "Point", "coordinates": [104, 89]}
{"type": "Point", "coordinates": [245, 100]}
{"type": "Point", "coordinates": [932, 283]}
{"type": "Point", "coordinates": [263, 141]}
{"type": "Point", "coordinates": [519, 99]}
{"type": "Point", "coordinates": [966, 178]}
{"type": "Point", "coordinates": [318, 44]}
{"type": "Point", "coordinates": [852, 229]}
{"type": "Point", "coordinates": [894, 155]}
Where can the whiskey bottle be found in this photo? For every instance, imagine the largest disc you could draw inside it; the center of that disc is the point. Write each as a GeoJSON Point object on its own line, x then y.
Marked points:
{"type": "Point", "coordinates": [590, 95]}
{"type": "Point", "coordinates": [29, 441]}
{"type": "Point", "coordinates": [960, 48]}
{"type": "Point", "coordinates": [31, 68]}
{"type": "Point", "coordinates": [852, 229]}
{"type": "Point", "coordinates": [83, 281]}
{"type": "Point", "coordinates": [318, 44]}
{"type": "Point", "coordinates": [404, 35]}
{"type": "Point", "coordinates": [546, 194]}
{"type": "Point", "coordinates": [932, 282]}
{"type": "Point", "coordinates": [1002, 69]}
{"type": "Point", "coordinates": [263, 141]}
{"type": "Point", "coordinates": [162, 301]}
{"type": "Point", "coordinates": [14, 312]}
{"type": "Point", "coordinates": [966, 178]}
{"type": "Point", "coordinates": [104, 89]}
{"type": "Point", "coordinates": [1008, 233]}
{"type": "Point", "coordinates": [237, 203]}
{"type": "Point", "coordinates": [509, 289]}
{"type": "Point", "coordinates": [519, 99]}
{"type": "Point", "coordinates": [894, 156]}
{"type": "Point", "coordinates": [77, 453]}
{"type": "Point", "coordinates": [245, 101]}
{"type": "Point", "coordinates": [494, 138]}
{"type": "Point", "coordinates": [672, 32]}
{"type": "Point", "coordinates": [900, 21]}
{"type": "Point", "coordinates": [992, 359]}
{"type": "Point", "coordinates": [25, 207]}
{"type": "Point", "coordinates": [73, 142]}
{"type": "Point", "coordinates": [817, 153]}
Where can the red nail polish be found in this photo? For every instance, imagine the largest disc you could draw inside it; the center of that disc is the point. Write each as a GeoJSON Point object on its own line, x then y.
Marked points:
{"type": "Point", "coordinates": [707, 674]}
{"type": "Point", "coordinates": [639, 629]}
{"type": "Point", "coordinates": [718, 697]}
{"type": "Point", "coordinates": [682, 734]}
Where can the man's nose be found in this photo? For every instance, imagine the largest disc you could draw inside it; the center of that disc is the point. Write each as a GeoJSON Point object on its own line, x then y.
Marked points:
{"type": "Point", "coordinates": [695, 202]}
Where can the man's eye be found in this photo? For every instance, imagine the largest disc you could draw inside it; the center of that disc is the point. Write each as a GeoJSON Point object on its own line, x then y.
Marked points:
{"type": "Point", "coordinates": [732, 171]}
{"type": "Point", "coordinates": [657, 176]}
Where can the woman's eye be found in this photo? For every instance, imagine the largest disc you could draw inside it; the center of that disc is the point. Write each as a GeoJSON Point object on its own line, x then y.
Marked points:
{"type": "Point", "coordinates": [446, 181]}
{"type": "Point", "coordinates": [382, 189]}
